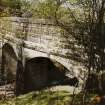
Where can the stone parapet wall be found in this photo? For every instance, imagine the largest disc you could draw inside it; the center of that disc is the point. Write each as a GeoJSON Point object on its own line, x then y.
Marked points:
{"type": "Point", "coordinates": [39, 31]}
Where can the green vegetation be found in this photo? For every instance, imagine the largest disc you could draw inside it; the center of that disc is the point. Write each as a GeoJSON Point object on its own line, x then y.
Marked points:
{"type": "Point", "coordinates": [13, 7]}
{"type": "Point", "coordinates": [47, 98]}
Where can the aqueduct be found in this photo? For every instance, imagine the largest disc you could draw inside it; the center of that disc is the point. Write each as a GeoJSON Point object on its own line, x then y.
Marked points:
{"type": "Point", "coordinates": [23, 40]}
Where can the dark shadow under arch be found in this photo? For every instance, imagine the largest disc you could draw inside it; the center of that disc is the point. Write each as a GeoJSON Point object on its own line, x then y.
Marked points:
{"type": "Point", "coordinates": [8, 48]}
{"type": "Point", "coordinates": [19, 78]}
{"type": "Point", "coordinates": [41, 72]}
{"type": "Point", "coordinates": [9, 63]}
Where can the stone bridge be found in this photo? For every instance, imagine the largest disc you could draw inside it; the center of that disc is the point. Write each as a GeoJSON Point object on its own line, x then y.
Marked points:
{"type": "Point", "coordinates": [24, 39]}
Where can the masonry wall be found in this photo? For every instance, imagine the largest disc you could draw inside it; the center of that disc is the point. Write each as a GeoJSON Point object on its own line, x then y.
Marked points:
{"type": "Point", "coordinates": [49, 38]}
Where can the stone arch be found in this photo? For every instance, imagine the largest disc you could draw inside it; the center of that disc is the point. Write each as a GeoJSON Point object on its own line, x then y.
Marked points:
{"type": "Point", "coordinates": [41, 72]}
{"type": "Point", "coordinates": [9, 63]}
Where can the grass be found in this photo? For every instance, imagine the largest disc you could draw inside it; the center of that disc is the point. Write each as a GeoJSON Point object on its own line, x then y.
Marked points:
{"type": "Point", "coordinates": [45, 98]}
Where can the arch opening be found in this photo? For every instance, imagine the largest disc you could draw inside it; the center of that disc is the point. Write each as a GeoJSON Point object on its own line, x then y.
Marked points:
{"type": "Point", "coordinates": [9, 64]}
{"type": "Point", "coordinates": [42, 72]}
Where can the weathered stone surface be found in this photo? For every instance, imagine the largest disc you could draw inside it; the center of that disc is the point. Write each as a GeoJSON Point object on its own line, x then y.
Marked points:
{"type": "Point", "coordinates": [41, 38]}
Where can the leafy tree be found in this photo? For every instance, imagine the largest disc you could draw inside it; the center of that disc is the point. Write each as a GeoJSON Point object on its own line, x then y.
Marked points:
{"type": "Point", "coordinates": [85, 21]}
{"type": "Point", "coordinates": [10, 7]}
